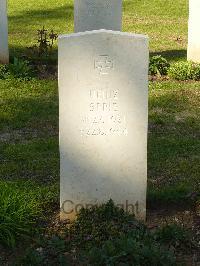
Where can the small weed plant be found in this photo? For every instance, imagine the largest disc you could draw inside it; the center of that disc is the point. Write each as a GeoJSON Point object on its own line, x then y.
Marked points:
{"type": "Point", "coordinates": [158, 65]}
{"type": "Point", "coordinates": [45, 43]}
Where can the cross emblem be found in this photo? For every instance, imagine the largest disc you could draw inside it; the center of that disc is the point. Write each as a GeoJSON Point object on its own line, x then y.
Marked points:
{"type": "Point", "coordinates": [104, 64]}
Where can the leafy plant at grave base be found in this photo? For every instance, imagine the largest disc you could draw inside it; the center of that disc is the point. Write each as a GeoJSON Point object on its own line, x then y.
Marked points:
{"type": "Point", "coordinates": [185, 71]}
{"type": "Point", "coordinates": [103, 235]}
{"type": "Point", "coordinates": [21, 205]}
{"type": "Point", "coordinates": [102, 223]}
{"type": "Point", "coordinates": [45, 42]}
{"type": "Point", "coordinates": [128, 250]}
{"type": "Point", "coordinates": [158, 65]}
{"type": "Point", "coordinates": [19, 69]}
{"type": "Point", "coordinates": [106, 235]}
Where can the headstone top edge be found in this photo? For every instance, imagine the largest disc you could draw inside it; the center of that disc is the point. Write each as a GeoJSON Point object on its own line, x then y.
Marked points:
{"type": "Point", "coordinates": [111, 32]}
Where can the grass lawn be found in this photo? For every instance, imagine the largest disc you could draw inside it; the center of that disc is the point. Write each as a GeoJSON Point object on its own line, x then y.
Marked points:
{"type": "Point", "coordinates": [166, 24]}
{"type": "Point", "coordinates": [29, 112]}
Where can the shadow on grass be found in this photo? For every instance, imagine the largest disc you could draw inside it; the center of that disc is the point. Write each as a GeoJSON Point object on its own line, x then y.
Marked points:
{"type": "Point", "coordinates": [32, 16]}
{"type": "Point", "coordinates": [24, 52]}
{"type": "Point", "coordinates": [172, 55]}
{"type": "Point", "coordinates": [173, 144]}
{"type": "Point", "coordinates": [29, 117]}
{"type": "Point", "coordinates": [18, 51]}
{"type": "Point", "coordinates": [29, 112]}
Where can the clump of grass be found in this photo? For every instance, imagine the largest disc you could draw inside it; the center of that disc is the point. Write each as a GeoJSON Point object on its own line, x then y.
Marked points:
{"type": "Point", "coordinates": [184, 70]}
{"type": "Point", "coordinates": [19, 69]}
{"type": "Point", "coordinates": [21, 205]}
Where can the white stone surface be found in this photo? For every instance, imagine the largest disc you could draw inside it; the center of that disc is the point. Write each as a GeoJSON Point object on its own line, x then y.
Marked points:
{"type": "Point", "coordinates": [193, 52]}
{"type": "Point", "coordinates": [103, 97]}
{"type": "Point", "coordinates": [97, 14]}
{"type": "Point", "coordinates": [4, 53]}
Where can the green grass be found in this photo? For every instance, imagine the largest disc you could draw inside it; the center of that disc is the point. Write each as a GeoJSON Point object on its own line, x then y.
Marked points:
{"type": "Point", "coordinates": [30, 104]}
{"type": "Point", "coordinates": [38, 160]}
{"type": "Point", "coordinates": [173, 150]}
{"type": "Point", "coordinates": [29, 130]}
{"type": "Point", "coordinates": [22, 204]}
{"type": "Point", "coordinates": [164, 21]}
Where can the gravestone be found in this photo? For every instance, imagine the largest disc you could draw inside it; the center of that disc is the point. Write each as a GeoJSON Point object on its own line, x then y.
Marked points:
{"type": "Point", "coordinates": [4, 53]}
{"type": "Point", "coordinates": [97, 14]}
{"type": "Point", "coordinates": [193, 52]}
{"type": "Point", "coordinates": [103, 98]}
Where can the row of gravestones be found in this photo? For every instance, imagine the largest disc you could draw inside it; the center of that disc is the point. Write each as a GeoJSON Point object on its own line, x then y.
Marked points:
{"type": "Point", "coordinates": [88, 17]}
{"type": "Point", "coordinates": [103, 110]}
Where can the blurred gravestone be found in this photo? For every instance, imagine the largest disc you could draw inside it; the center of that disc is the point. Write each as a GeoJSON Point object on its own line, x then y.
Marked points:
{"type": "Point", "coordinates": [4, 53]}
{"type": "Point", "coordinates": [97, 14]}
{"type": "Point", "coordinates": [103, 98]}
{"type": "Point", "coordinates": [193, 52]}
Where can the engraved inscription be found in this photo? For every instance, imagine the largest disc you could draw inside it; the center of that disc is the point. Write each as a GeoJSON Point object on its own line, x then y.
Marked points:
{"type": "Point", "coordinates": [104, 117]}
{"type": "Point", "coordinates": [104, 64]}
{"type": "Point", "coordinates": [93, 9]}
{"type": "Point", "coordinates": [104, 107]}
{"type": "Point", "coordinates": [97, 131]}
{"type": "Point", "coordinates": [104, 94]}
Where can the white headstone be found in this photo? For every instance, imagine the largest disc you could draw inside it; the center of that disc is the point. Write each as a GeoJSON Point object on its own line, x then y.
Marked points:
{"type": "Point", "coordinates": [4, 53]}
{"type": "Point", "coordinates": [193, 52]}
{"type": "Point", "coordinates": [97, 14]}
{"type": "Point", "coordinates": [103, 97]}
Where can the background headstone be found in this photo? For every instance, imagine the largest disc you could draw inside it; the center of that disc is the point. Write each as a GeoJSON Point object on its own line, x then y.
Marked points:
{"type": "Point", "coordinates": [4, 53]}
{"type": "Point", "coordinates": [97, 14]}
{"type": "Point", "coordinates": [103, 99]}
{"type": "Point", "coordinates": [193, 52]}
